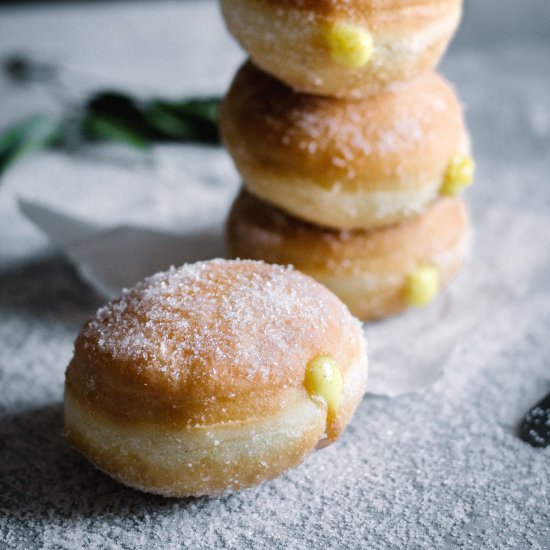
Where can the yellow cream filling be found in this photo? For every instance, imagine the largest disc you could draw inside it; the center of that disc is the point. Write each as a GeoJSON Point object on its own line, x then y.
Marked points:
{"type": "Point", "coordinates": [350, 45]}
{"type": "Point", "coordinates": [422, 285]}
{"type": "Point", "coordinates": [459, 175]}
{"type": "Point", "coordinates": [324, 380]}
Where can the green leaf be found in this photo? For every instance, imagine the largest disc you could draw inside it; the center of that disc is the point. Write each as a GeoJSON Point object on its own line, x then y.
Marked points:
{"type": "Point", "coordinates": [117, 117]}
{"type": "Point", "coordinates": [167, 124]}
{"type": "Point", "coordinates": [102, 127]}
{"type": "Point", "coordinates": [123, 118]}
{"type": "Point", "coordinates": [205, 109]}
{"type": "Point", "coordinates": [192, 120]}
{"type": "Point", "coordinates": [31, 134]}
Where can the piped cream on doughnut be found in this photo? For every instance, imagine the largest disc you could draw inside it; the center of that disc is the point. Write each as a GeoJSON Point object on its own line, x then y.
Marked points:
{"type": "Point", "coordinates": [341, 48]}
{"type": "Point", "coordinates": [213, 376]}
{"type": "Point", "coordinates": [347, 164]}
{"type": "Point", "coordinates": [377, 273]}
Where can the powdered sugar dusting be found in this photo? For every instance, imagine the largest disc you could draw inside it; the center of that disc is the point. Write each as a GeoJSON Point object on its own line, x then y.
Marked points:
{"type": "Point", "coordinates": [353, 130]}
{"type": "Point", "coordinates": [200, 319]}
{"type": "Point", "coordinates": [403, 130]}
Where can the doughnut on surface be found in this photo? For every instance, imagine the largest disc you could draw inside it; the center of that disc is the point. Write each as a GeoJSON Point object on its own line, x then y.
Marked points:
{"type": "Point", "coordinates": [290, 39]}
{"type": "Point", "coordinates": [367, 270]}
{"type": "Point", "coordinates": [192, 382]}
{"type": "Point", "coordinates": [343, 164]}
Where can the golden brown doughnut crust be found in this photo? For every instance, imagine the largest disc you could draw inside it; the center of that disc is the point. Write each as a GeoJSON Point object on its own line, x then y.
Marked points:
{"type": "Point", "coordinates": [212, 342]}
{"type": "Point", "coordinates": [193, 382]}
{"type": "Point", "coordinates": [378, 14]}
{"type": "Point", "coordinates": [338, 163]}
{"type": "Point", "coordinates": [395, 140]}
{"type": "Point", "coordinates": [385, 256]}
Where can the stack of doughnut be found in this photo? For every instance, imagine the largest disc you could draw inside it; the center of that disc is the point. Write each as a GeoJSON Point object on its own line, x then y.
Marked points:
{"type": "Point", "coordinates": [353, 151]}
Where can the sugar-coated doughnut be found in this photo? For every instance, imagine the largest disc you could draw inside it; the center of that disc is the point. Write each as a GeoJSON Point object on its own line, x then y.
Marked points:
{"type": "Point", "coordinates": [350, 48]}
{"type": "Point", "coordinates": [377, 273]}
{"type": "Point", "coordinates": [213, 376]}
{"type": "Point", "coordinates": [347, 164]}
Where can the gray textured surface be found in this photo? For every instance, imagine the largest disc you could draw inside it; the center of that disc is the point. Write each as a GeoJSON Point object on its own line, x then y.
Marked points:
{"type": "Point", "coordinates": [439, 469]}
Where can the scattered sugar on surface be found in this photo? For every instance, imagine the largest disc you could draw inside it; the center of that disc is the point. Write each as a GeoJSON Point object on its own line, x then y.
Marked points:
{"type": "Point", "coordinates": [438, 469]}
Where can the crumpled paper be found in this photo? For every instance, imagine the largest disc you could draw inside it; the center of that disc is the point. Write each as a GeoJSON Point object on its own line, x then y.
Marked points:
{"type": "Point", "coordinates": [118, 257]}
{"type": "Point", "coordinates": [121, 217]}
{"type": "Point", "coordinates": [179, 205]}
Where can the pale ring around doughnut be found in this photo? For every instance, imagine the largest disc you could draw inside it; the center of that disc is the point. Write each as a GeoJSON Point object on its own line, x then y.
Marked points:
{"type": "Point", "coordinates": [213, 376]}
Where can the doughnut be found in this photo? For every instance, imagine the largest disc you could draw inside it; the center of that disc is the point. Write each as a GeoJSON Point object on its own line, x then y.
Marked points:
{"type": "Point", "coordinates": [347, 164]}
{"type": "Point", "coordinates": [377, 273]}
{"type": "Point", "coordinates": [213, 376]}
{"type": "Point", "coordinates": [339, 48]}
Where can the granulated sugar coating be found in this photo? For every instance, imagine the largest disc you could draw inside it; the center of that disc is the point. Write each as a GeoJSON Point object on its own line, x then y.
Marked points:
{"type": "Point", "coordinates": [410, 130]}
{"type": "Point", "coordinates": [194, 381]}
{"type": "Point", "coordinates": [221, 326]}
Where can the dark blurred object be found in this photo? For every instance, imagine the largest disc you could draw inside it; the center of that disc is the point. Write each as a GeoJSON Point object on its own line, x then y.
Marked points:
{"type": "Point", "coordinates": [21, 70]}
{"type": "Point", "coordinates": [535, 428]}
{"type": "Point", "coordinates": [193, 119]}
{"type": "Point", "coordinates": [113, 115]}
